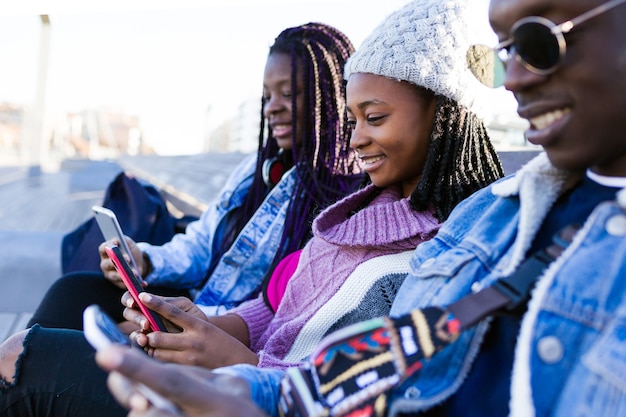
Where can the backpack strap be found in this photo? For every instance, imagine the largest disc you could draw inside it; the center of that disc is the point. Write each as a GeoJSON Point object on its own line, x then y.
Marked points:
{"type": "Point", "coordinates": [511, 292]}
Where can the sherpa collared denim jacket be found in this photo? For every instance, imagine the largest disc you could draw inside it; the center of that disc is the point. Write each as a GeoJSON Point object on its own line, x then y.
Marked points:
{"type": "Point", "coordinates": [570, 358]}
{"type": "Point", "coordinates": [184, 261]}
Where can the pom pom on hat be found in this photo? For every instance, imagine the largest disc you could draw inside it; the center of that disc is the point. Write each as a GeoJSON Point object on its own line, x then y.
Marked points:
{"type": "Point", "coordinates": [425, 42]}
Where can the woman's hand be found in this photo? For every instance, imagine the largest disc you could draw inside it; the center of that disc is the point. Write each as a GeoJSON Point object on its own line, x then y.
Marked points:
{"type": "Point", "coordinates": [133, 314]}
{"type": "Point", "coordinates": [198, 340]}
{"type": "Point", "coordinates": [196, 392]}
{"type": "Point", "coordinates": [107, 267]}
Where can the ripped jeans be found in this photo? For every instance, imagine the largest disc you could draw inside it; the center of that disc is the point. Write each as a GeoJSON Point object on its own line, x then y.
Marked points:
{"type": "Point", "coordinates": [57, 375]}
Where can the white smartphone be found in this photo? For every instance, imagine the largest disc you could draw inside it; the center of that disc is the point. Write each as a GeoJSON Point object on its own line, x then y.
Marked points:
{"type": "Point", "coordinates": [110, 228]}
{"type": "Point", "coordinates": [101, 331]}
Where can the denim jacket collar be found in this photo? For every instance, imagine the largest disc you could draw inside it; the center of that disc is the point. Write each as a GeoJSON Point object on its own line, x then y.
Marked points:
{"type": "Point", "coordinates": [538, 185]}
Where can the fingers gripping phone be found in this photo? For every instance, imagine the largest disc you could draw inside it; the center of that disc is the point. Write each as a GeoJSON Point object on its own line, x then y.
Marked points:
{"type": "Point", "coordinates": [134, 286]}
{"type": "Point", "coordinates": [110, 228]}
{"type": "Point", "coordinates": [101, 331]}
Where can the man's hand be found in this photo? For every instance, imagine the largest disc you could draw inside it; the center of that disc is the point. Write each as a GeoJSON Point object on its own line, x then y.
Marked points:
{"type": "Point", "coordinates": [196, 392]}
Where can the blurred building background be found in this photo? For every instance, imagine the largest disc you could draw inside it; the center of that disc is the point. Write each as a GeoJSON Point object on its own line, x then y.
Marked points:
{"type": "Point", "coordinates": [108, 134]}
{"type": "Point", "coordinates": [40, 133]}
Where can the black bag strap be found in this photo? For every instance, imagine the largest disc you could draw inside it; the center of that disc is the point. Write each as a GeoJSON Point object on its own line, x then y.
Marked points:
{"type": "Point", "coordinates": [509, 293]}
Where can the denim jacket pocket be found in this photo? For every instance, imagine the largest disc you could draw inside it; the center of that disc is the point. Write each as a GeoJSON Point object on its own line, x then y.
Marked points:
{"type": "Point", "coordinates": [430, 279]}
{"type": "Point", "coordinates": [466, 267]}
{"type": "Point", "coordinates": [447, 264]}
{"type": "Point", "coordinates": [607, 356]}
{"type": "Point", "coordinates": [604, 391]}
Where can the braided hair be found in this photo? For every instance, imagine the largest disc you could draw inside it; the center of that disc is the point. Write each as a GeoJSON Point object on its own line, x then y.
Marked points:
{"type": "Point", "coordinates": [326, 169]}
{"type": "Point", "coordinates": [460, 159]}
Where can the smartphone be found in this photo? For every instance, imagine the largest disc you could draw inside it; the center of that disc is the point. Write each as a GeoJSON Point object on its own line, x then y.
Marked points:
{"type": "Point", "coordinates": [134, 286]}
{"type": "Point", "coordinates": [110, 228]}
{"type": "Point", "coordinates": [101, 331]}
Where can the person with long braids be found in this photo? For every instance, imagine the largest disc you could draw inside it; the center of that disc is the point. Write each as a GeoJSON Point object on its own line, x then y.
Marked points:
{"type": "Point", "coordinates": [259, 216]}
{"type": "Point", "coordinates": [424, 151]}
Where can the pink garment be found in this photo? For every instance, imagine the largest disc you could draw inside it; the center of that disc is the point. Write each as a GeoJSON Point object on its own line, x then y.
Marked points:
{"type": "Point", "coordinates": [280, 277]}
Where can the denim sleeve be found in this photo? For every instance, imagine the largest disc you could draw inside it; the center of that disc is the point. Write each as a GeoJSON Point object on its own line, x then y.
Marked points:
{"type": "Point", "coordinates": [183, 262]}
{"type": "Point", "coordinates": [264, 384]}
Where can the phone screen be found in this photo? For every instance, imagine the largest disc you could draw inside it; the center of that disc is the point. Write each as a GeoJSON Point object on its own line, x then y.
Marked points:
{"type": "Point", "coordinates": [100, 330]}
{"type": "Point", "coordinates": [110, 228]}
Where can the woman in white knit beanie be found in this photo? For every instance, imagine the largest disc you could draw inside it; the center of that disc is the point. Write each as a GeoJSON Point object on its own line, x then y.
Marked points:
{"type": "Point", "coordinates": [424, 44]}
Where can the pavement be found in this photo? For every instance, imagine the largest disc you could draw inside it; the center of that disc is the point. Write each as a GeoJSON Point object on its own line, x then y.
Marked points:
{"type": "Point", "coordinates": [38, 209]}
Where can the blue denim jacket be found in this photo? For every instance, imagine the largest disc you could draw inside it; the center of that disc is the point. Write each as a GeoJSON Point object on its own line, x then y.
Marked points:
{"type": "Point", "coordinates": [570, 357]}
{"type": "Point", "coordinates": [184, 261]}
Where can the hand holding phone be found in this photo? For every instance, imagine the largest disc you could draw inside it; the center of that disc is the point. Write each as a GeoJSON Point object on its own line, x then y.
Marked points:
{"type": "Point", "coordinates": [134, 286]}
{"type": "Point", "coordinates": [110, 228]}
{"type": "Point", "coordinates": [101, 332]}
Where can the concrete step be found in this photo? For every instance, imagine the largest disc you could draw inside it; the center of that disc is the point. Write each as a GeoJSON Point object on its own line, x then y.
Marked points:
{"type": "Point", "coordinates": [11, 323]}
{"type": "Point", "coordinates": [36, 211]}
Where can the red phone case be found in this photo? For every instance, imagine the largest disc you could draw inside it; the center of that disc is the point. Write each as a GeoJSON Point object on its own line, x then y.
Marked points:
{"type": "Point", "coordinates": [134, 286]}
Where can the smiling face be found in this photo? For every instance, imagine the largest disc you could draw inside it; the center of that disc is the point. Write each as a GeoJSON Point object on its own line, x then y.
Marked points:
{"type": "Point", "coordinates": [576, 113]}
{"type": "Point", "coordinates": [391, 125]}
{"type": "Point", "coordinates": [278, 99]}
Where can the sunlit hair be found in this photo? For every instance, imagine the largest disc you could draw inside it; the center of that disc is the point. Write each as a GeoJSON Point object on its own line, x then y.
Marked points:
{"type": "Point", "coordinates": [460, 160]}
{"type": "Point", "coordinates": [324, 161]}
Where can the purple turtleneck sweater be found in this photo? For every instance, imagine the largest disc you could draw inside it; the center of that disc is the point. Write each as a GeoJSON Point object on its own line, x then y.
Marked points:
{"type": "Point", "coordinates": [340, 243]}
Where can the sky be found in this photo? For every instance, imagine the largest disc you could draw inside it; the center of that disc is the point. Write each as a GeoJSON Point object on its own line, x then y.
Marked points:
{"type": "Point", "coordinates": [168, 62]}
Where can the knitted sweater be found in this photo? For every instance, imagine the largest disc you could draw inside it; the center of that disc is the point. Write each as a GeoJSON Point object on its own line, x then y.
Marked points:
{"type": "Point", "coordinates": [345, 258]}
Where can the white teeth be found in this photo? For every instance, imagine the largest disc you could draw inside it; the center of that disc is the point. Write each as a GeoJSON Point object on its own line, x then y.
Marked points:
{"type": "Point", "coordinates": [545, 120]}
{"type": "Point", "coordinates": [371, 160]}
{"type": "Point", "coordinates": [280, 130]}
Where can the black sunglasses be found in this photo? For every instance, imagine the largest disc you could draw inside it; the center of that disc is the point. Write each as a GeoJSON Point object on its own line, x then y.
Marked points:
{"type": "Point", "coordinates": [536, 42]}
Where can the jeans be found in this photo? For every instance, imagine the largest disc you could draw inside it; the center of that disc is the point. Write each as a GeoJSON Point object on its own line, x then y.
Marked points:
{"type": "Point", "coordinates": [57, 376]}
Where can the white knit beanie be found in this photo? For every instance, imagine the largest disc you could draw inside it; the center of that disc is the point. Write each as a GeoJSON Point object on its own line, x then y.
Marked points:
{"type": "Point", "coordinates": [425, 42]}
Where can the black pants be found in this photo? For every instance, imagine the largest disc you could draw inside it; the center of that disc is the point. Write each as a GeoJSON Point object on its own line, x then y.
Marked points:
{"type": "Point", "coordinates": [64, 302]}
{"type": "Point", "coordinates": [57, 376]}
